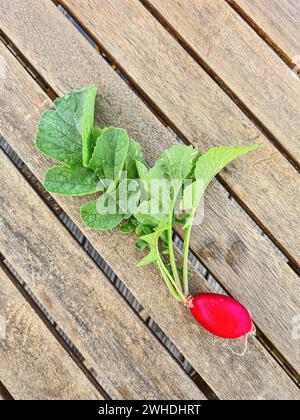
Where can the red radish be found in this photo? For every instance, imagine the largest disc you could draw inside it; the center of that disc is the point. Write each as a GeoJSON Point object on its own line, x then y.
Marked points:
{"type": "Point", "coordinates": [220, 315]}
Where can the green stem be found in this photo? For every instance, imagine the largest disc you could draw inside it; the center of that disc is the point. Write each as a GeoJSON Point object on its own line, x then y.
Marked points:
{"type": "Point", "coordinates": [170, 282]}
{"type": "Point", "coordinates": [186, 246]}
{"type": "Point", "coordinates": [171, 252]}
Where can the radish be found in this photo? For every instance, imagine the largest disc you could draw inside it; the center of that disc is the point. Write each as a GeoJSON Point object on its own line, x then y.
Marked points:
{"type": "Point", "coordinates": [96, 163]}
{"type": "Point", "coordinates": [220, 315]}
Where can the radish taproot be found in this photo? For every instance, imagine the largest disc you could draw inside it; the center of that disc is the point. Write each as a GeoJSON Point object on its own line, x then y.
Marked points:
{"type": "Point", "coordinates": [220, 315]}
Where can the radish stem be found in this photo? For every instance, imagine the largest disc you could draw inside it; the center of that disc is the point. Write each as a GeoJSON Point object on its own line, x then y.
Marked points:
{"type": "Point", "coordinates": [170, 282]}
{"type": "Point", "coordinates": [186, 245]}
{"type": "Point", "coordinates": [169, 285]}
{"type": "Point", "coordinates": [171, 252]}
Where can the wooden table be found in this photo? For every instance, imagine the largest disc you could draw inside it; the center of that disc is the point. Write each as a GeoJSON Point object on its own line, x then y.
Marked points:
{"type": "Point", "coordinates": [82, 321]}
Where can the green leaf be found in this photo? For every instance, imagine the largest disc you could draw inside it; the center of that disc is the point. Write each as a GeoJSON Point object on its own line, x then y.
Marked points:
{"type": "Point", "coordinates": [132, 220]}
{"type": "Point", "coordinates": [179, 161]}
{"type": "Point", "coordinates": [141, 169]}
{"type": "Point", "coordinates": [207, 167]}
{"type": "Point", "coordinates": [190, 196]}
{"type": "Point", "coordinates": [144, 215]}
{"type": "Point", "coordinates": [134, 155]}
{"type": "Point", "coordinates": [152, 241]}
{"type": "Point", "coordinates": [216, 159]}
{"type": "Point", "coordinates": [139, 230]}
{"type": "Point", "coordinates": [96, 133]}
{"type": "Point", "coordinates": [109, 155]}
{"type": "Point", "coordinates": [127, 196]}
{"type": "Point", "coordinates": [164, 237]}
{"type": "Point", "coordinates": [148, 211]}
{"type": "Point", "coordinates": [85, 122]}
{"type": "Point", "coordinates": [64, 131]}
{"type": "Point", "coordinates": [94, 217]}
{"type": "Point", "coordinates": [112, 207]}
{"type": "Point", "coordinates": [162, 183]}
{"type": "Point", "coordinates": [127, 228]}
{"type": "Point", "coordinates": [147, 230]}
{"type": "Point", "coordinates": [74, 181]}
{"type": "Point", "coordinates": [140, 244]}
{"type": "Point", "coordinates": [150, 258]}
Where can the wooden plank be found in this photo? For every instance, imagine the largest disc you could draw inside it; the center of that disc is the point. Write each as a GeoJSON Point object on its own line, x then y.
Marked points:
{"type": "Point", "coordinates": [129, 361]}
{"type": "Point", "coordinates": [256, 375]}
{"type": "Point", "coordinates": [265, 182]}
{"type": "Point", "coordinates": [279, 20]}
{"type": "Point", "coordinates": [33, 365]}
{"type": "Point", "coordinates": [226, 243]}
{"type": "Point", "coordinates": [245, 63]}
{"type": "Point", "coordinates": [242, 61]}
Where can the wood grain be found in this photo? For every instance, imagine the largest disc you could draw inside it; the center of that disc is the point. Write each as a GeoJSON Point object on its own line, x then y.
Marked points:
{"type": "Point", "coordinates": [129, 361]}
{"type": "Point", "coordinates": [33, 365]}
{"type": "Point", "coordinates": [278, 19]}
{"type": "Point", "coordinates": [256, 375]}
{"type": "Point", "coordinates": [239, 257]}
{"type": "Point", "coordinates": [242, 60]}
{"type": "Point", "coordinates": [265, 182]}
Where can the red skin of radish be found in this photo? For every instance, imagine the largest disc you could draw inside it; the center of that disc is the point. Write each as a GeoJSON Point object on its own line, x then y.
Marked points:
{"type": "Point", "coordinates": [220, 315]}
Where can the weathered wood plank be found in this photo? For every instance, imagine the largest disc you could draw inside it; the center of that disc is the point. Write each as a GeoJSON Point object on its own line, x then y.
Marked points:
{"type": "Point", "coordinates": [256, 375]}
{"type": "Point", "coordinates": [129, 361]}
{"type": "Point", "coordinates": [33, 365]}
{"type": "Point", "coordinates": [229, 246]}
{"type": "Point", "coordinates": [265, 182]}
{"type": "Point", "coordinates": [241, 59]}
{"type": "Point", "coordinates": [278, 19]}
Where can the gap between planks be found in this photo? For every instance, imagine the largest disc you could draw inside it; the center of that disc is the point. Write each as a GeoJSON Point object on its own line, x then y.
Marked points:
{"type": "Point", "coordinates": [51, 328]}
{"type": "Point", "coordinates": [155, 331]}
{"type": "Point", "coordinates": [276, 355]}
{"type": "Point", "coordinates": [163, 118]}
{"type": "Point", "coordinates": [221, 83]}
{"type": "Point", "coordinates": [4, 393]}
{"type": "Point", "coordinates": [263, 34]}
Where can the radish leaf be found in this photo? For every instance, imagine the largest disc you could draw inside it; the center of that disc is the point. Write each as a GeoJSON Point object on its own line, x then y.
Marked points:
{"type": "Point", "coordinates": [96, 133]}
{"type": "Point", "coordinates": [207, 167]}
{"type": "Point", "coordinates": [94, 217]}
{"type": "Point", "coordinates": [134, 155]}
{"type": "Point", "coordinates": [140, 244]}
{"type": "Point", "coordinates": [109, 155]}
{"type": "Point", "coordinates": [64, 132]}
{"type": "Point", "coordinates": [75, 181]}
{"type": "Point", "coordinates": [127, 228]}
{"type": "Point", "coordinates": [152, 240]}
{"type": "Point", "coordinates": [179, 161]}
{"type": "Point", "coordinates": [127, 196]}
